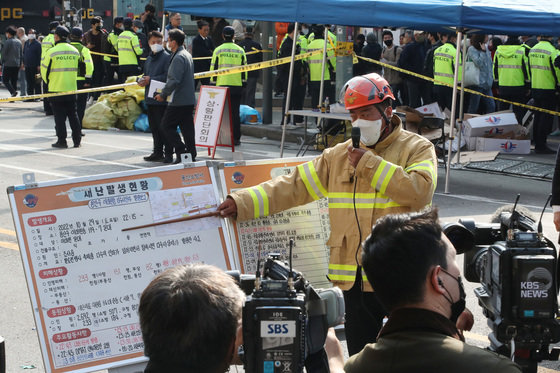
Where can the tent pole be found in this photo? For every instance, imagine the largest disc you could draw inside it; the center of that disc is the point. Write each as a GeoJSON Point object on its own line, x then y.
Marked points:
{"type": "Point", "coordinates": [321, 90]}
{"type": "Point", "coordinates": [453, 108]}
{"type": "Point", "coordinates": [462, 101]}
{"type": "Point", "coordinates": [289, 93]}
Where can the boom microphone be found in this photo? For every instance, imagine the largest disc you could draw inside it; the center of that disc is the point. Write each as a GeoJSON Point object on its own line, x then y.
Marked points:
{"type": "Point", "coordinates": [356, 137]}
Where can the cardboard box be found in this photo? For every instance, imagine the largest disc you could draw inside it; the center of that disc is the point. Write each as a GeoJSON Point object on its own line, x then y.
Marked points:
{"type": "Point", "coordinates": [412, 116]}
{"type": "Point", "coordinates": [507, 146]}
{"type": "Point", "coordinates": [431, 110]}
{"type": "Point", "coordinates": [489, 125]}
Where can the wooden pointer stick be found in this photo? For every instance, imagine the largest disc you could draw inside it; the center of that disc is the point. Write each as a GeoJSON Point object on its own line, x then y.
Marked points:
{"type": "Point", "coordinates": [186, 218]}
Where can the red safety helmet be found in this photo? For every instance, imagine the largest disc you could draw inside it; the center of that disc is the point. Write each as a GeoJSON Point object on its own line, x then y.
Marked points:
{"type": "Point", "coordinates": [365, 90]}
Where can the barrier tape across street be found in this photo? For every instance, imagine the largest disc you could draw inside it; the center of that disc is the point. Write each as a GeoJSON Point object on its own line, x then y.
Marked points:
{"type": "Point", "coordinates": [532, 108]}
{"type": "Point", "coordinates": [194, 58]}
{"type": "Point", "coordinates": [227, 71]}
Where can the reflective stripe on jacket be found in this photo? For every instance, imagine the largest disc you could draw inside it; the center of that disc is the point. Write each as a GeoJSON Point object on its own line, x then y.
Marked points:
{"type": "Point", "coordinates": [444, 64]}
{"type": "Point", "coordinates": [59, 67]}
{"type": "Point", "coordinates": [541, 63]}
{"type": "Point", "coordinates": [46, 44]}
{"type": "Point", "coordinates": [227, 55]}
{"type": "Point", "coordinates": [398, 175]}
{"type": "Point", "coordinates": [315, 62]}
{"type": "Point", "coordinates": [128, 48]}
{"type": "Point", "coordinates": [510, 66]}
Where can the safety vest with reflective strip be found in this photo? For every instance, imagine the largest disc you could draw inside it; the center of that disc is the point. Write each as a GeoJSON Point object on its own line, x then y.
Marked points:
{"type": "Point", "coordinates": [510, 66]}
{"type": "Point", "coordinates": [541, 63]}
{"type": "Point", "coordinates": [46, 44]}
{"type": "Point", "coordinates": [112, 41]}
{"type": "Point", "coordinates": [302, 42]}
{"type": "Point", "coordinates": [398, 176]}
{"type": "Point", "coordinates": [85, 58]}
{"type": "Point", "coordinates": [444, 64]}
{"type": "Point", "coordinates": [128, 48]}
{"type": "Point", "coordinates": [59, 68]}
{"type": "Point", "coordinates": [315, 61]}
{"type": "Point", "coordinates": [227, 55]}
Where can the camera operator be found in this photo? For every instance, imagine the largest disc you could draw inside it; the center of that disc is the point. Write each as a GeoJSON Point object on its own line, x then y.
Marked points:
{"type": "Point", "coordinates": [190, 316]}
{"type": "Point", "coordinates": [411, 265]}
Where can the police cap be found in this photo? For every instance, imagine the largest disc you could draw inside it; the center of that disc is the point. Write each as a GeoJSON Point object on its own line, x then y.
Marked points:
{"type": "Point", "coordinates": [127, 22]}
{"type": "Point", "coordinates": [77, 32]}
{"type": "Point", "coordinates": [228, 31]}
{"type": "Point", "coordinates": [62, 31]}
{"type": "Point", "coordinates": [53, 25]}
{"type": "Point", "coordinates": [118, 20]}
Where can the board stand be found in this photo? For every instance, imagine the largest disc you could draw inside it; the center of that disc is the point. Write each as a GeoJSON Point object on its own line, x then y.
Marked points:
{"type": "Point", "coordinates": [212, 121]}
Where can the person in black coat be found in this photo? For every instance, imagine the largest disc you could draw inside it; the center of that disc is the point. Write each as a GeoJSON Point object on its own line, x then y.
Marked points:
{"type": "Point", "coordinates": [32, 61]}
{"type": "Point", "coordinates": [250, 47]}
{"type": "Point", "coordinates": [202, 46]}
{"type": "Point", "coordinates": [371, 50]}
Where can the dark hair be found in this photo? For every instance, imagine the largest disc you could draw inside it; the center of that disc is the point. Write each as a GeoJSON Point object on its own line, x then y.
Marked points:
{"type": "Point", "coordinates": [189, 318]}
{"type": "Point", "coordinates": [177, 35]}
{"type": "Point", "coordinates": [476, 40]}
{"type": "Point", "coordinates": [496, 41]}
{"type": "Point", "coordinates": [155, 34]}
{"type": "Point", "coordinates": [95, 20]}
{"type": "Point", "coordinates": [434, 35]}
{"type": "Point", "coordinates": [399, 253]}
{"type": "Point", "coordinates": [513, 40]}
{"type": "Point", "coordinates": [361, 37]}
{"type": "Point", "coordinates": [10, 30]}
{"type": "Point", "coordinates": [291, 28]}
{"type": "Point", "coordinates": [201, 23]}
{"type": "Point", "coordinates": [387, 32]}
{"type": "Point", "coordinates": [150, 8]}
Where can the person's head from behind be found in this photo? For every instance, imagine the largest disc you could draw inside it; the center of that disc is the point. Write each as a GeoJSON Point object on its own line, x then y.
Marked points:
{"type": "Point", "coordinates": [189, 317]}
{"type": "Point", "coordinates": [410, 263]}
{"type": "Point", "coordinates": [227, 33]}
{"type": "Point", "coordinates": [203, 28]}
{"type": "Point", "coordinates": [361, 39]}
{"type": "Point", "coordinates": [175, 39]}
{"type": "Point", "coordinates": [369, 99]}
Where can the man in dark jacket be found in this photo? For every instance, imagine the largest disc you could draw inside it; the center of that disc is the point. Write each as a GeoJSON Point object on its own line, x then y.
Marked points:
{"type": "Point", "coordinates": [32, 62]}
{"type": "Point", "coordinates": [180, 83]}
{"type": "Point", "coordinates": [12, 53]}
{"type": "Point", "coordinates": [94, 39]}
{"type": "Point", "coordinates": [149, 19]}
{"type": "Point", "coordinates": [251, 47]}
{"type": "Point", "coordinates": [298, 86]}
{"type": "Point", "coordinates": [202, 48]}
{"type": "Point", "coordinates": [371, 50]}
{"type": "Point", "coordinates": [155, 68]}
{"type": "Point", "coordinates": [412, 59]}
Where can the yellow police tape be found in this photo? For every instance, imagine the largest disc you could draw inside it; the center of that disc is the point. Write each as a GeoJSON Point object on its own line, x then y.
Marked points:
{"type": "Point", "coordinates": [207, 74]}
{"type": "Point", "coordinates": [532, 108]}
{"type": "Point", "coordinates": [194, 58]}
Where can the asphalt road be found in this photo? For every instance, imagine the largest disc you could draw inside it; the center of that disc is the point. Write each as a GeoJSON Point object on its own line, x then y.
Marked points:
{"type": "Point", "coordinates": [26, 135]}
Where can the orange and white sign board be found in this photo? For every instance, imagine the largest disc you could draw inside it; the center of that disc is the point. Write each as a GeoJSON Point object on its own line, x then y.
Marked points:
{"type": "Point", "coordinates": [85, 275]}
{"type": "Point", "coordinates": [213, 126]}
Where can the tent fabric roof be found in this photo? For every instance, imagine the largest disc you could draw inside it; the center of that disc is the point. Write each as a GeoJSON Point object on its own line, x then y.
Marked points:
{"type": "Point", "coordinates": [522, 17]}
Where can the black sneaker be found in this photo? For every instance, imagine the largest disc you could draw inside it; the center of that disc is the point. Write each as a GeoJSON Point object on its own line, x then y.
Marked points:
{"type": "Point", "coordinates": [168, 160]}
{"type": "Point", "coordinates": [77, 145]}
{"type": "Point", "coordinates": [154, 158]}
{"type": "Point", "coordinates": [14, 94]}
{"type": "Point", "coordinates": [60, 145]}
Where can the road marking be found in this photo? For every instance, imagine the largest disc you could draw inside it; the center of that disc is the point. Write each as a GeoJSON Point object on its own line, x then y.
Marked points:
{"type": "Point", "coordinates": [7, 232]}
{"type": "Point", "coordinates": [35, 171]}
{"type": "Point", "coordinates": [57, 154]}
{"type": "Point", "coordinates": [489, 200]}
{"type": "Point", "coordinates": [9, 245]}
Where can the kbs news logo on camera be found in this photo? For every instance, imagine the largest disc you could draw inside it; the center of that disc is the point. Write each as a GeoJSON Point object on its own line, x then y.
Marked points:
{"type": "Point", "coordinates": [540, 281]}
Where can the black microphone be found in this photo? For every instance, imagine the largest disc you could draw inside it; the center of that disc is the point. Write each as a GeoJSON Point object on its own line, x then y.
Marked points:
{"type": "Point", "coordinates": [356, 137]}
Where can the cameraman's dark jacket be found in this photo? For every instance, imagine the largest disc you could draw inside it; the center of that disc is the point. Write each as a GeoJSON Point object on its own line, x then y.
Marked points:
{"type": "Point", "coordinates": [418, 340]}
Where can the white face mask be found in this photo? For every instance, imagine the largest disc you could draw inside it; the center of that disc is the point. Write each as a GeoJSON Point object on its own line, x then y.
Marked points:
{"type": "Point", "coordinates": [156, 48]}
{"type": "Point", "coordinates": [370, 130]}
{"type": "Point", "coordinates": [31, 36]}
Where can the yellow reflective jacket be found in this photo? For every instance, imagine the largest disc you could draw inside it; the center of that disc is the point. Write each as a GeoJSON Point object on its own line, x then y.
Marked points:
{"type": "Point", "coordinates": [399, 175]}
{"type": "Point", "coordinates": [59, 67]}
{"type": "Point", "coordinates": [128, 48]}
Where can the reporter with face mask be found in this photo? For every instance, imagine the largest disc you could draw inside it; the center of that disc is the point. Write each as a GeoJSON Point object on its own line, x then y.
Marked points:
{"type": "Point", "coordinates": [413, 268]}
{"type": "Point", "coordinates": [392, 171]}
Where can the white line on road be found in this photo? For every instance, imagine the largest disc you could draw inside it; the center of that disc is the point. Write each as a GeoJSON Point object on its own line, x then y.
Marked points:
{"type": "Point", "coordinates": [35, 171]}
{"type": "Point", "coordinates": [58, 154]}
{"type": "Point", "coordinates": [8, 232]}
{"type": "Point", "coordinates": [489, 200]}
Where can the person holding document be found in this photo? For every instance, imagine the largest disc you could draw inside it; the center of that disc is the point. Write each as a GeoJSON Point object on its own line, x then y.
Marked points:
{"type": "Point", "coordinates": [155, 69]}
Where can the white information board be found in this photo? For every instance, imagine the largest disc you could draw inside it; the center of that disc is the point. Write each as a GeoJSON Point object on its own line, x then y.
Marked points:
{"type": "Point", "coordinates": [85, 275]}
{"type": "Point", "coordinates": [212, 121]}
{"type": "Point", "coordinates": [309, 225]}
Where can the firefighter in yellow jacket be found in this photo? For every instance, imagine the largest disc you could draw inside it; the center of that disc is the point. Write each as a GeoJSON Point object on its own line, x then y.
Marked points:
{"type": "Point", "coordinates": [393, 171]}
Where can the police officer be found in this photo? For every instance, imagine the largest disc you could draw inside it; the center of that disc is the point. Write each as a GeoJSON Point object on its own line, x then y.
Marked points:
{"type": "Point", "coordinates": [129, 49]}
{"type": "Point", "coordinates": [109, 47]}
{"type": "Point", "coordinates": [85, 69]}
{"type": "Point", "coordinates": [226, 55]}
{"type": "Point", "coordinates": [544, 81]}
{"type": "Point", "coordinates": [46, 44]}
{"type": "Point", "coordinates": [59, 70]}
{"type": "Point", "coordinates": [511, 72]}
{"type": "Point", "coordinates": [315, 64]}
{"type": "Point", "coordinates": [444, 69]}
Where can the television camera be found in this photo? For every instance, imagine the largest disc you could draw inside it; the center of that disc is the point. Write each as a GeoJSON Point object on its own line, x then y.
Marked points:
{"type": "Point", "coordinates": [518, 270]}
